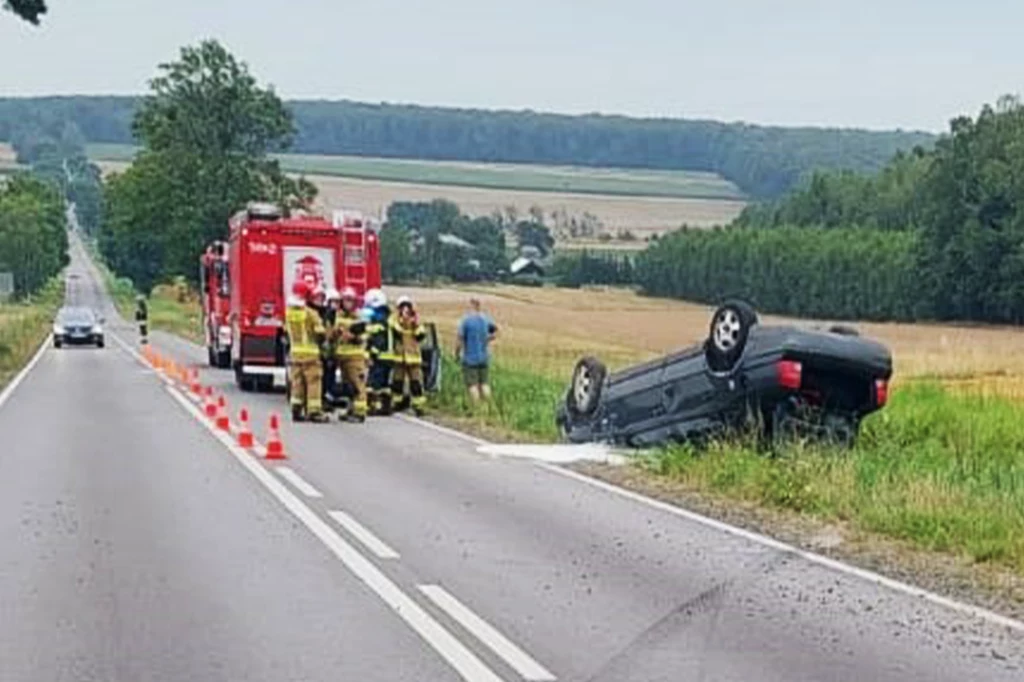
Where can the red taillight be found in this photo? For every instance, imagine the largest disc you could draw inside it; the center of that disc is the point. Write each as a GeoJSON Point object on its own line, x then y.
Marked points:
{"type": "Point", "coordinates": [881, 392]}
{"type": "Point", "coordinates": [790, 374]}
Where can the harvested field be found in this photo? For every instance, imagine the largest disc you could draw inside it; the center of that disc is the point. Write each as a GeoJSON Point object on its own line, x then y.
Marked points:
{"type": "Point", "coordinates": [643, 216]}
{"type": "Point", "coordinates": [548, 329]}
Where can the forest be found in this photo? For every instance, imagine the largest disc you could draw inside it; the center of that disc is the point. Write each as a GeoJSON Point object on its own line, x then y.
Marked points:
{"type": "Point", "coordinates": [936, 235]}
{"type": "Point", "coordinates": [763, 161]}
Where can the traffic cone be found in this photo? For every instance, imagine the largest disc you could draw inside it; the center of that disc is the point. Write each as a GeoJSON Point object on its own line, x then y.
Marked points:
{"type": "Point", "coordinates": [275, 448]}
{"type": "Point", "coordinates": [244, 433]}
{"type": "Point", "coordinates": [194, 386]}
{"type": "Point", "coordinates": [223, 423]}
{"type": "Point", "coordinates": [210, 406]}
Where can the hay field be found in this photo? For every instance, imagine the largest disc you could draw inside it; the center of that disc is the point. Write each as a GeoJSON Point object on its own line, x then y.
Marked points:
{"type": "Point", "coordinates": [641, 215]}
{"type": "Point", "coordinates": [549, 329]}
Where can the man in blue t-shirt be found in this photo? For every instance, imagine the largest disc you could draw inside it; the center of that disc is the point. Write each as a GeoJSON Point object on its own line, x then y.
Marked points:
{"type": "Point", "coordinates": [476, 331]}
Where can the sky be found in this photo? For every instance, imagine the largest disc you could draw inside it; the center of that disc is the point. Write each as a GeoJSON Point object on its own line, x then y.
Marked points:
{"type": "Point", "coordinates": [881, 64]}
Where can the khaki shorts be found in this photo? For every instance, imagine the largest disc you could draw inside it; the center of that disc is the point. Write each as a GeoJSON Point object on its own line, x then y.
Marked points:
{"type": "Point", "coordinates": [474, 375]}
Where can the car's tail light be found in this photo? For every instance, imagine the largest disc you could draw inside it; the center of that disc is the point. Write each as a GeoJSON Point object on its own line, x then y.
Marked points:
{"type": "Point", "coordinates": [790, 374]}
{"type": "Point", "coordinates": [881, 392]}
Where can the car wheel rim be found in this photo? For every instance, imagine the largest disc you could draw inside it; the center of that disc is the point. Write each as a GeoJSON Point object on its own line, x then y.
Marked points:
{"type": "Point", "coordinates": [583, 385]}
{"type": "Point", "coordinates": [727, 330]}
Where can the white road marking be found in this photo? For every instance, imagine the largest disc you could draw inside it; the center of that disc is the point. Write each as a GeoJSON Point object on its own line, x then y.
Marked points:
{"type": "Point", "coordinates": [364, 535]}
{"type": "Point", "coordinates": [464, 661]}
{"type": "Point", "coordinates": [556, 454]}
{"type": "Point", "coordinates": [441, 429]}
{"type": "Point", "coordinates": [520, 661]}
{"type": "Point", "coordinates": [298, 482]}
{"type": "Point", "coordinates": [20, 376]}
{"type": "Point", "coordinates": [832, 564]}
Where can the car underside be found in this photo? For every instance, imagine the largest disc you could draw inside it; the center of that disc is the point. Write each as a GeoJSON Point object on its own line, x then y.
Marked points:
{"type": "Point", "coordinates": [781, 381]}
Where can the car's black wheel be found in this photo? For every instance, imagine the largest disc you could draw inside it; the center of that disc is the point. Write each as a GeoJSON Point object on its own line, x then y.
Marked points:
{"type": "Point", "coordinates": [587, 383]}
{"type": "Point", "coordinates": [730, 327]}
{"type": "Point", "coordinates": [243, 380]}
{"type": "Point", "coordinates": [99, 344]}
{"type": "Point", "coordinates": [57, 343]}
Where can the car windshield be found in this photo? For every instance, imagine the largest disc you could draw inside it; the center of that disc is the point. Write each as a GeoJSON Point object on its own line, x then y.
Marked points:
{"type": "Point", "coordinates": [82, 316]}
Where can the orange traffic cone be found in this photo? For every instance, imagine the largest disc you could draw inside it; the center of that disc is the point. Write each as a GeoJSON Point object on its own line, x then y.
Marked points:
{"type": "Point", "coordinates": [194, 384]}
{"type": "Point", "coordinates": [244, 432]}
{"type": "Point", "coordinates": [275, 448]}
{"type": "Point", "coordinates": [222, 415]}
{"type": "Point", "coordinates": [210, 406]}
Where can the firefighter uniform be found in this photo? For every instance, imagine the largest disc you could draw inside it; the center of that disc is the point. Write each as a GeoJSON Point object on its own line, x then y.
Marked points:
{"type": "Point", "coordinates": [305, 332]}
{"type": "Point", "coordinates": [409, 334]}
{"type": "Point", "coordinates": [351, 354]}
{"type": "Point", "coordinates": [381, 347]}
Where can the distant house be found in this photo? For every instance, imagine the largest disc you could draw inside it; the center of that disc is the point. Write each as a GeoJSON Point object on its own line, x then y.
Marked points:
{"type": "Point", "coordinates": [525, 267]}
{"type": "Point", "coordinates": [452, 240]}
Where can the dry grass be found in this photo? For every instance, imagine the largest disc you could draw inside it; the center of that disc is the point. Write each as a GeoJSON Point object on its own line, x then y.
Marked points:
{"type": "Point", "coordinates": [548, 329]}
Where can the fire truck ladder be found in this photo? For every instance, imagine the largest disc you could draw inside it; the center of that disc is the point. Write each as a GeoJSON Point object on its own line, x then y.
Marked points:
{"type": "Point", "coordinates": [354, 256]}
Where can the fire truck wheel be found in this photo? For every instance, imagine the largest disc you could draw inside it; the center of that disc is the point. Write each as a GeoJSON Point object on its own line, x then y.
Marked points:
{"type": "Point", "coordinates": [222, 359]}
{"type": "Point", "coordinates": [210, 357]}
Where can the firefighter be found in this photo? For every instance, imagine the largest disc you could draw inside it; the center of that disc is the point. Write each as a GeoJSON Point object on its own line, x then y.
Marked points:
{"type": "Point", "coordinates": [381, 347]}
{"type": "Point", "coordinates": [409, 334]}
{"type": "Point", "coordinates": [142, 317]}
{"type": "Point", "coordinates": [330, 313]}
{"type": "Point", "coordinates": [351, 353]}
{"type": "Point", "coordinates": [305, 332]}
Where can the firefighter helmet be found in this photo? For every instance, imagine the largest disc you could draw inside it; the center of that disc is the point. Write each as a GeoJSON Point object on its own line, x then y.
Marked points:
{"type": "Point", "coordinates": [348, 292]}
{"type": "Point", "coordinates": [300, 289]}
{"type": "Point", "coordinates": [404, 300]}
{"type": "Point", "coordinates": [333, 295]}
{"type": "Point", "coordinates": [375, 298]}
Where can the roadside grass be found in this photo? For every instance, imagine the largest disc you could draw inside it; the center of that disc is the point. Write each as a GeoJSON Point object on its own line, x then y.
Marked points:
{"type": "Point", "coordinates": [938, 468]}
{"type": "Point", "coordinates": [944, 472]}
{"type": "Point", "coordinates": [24, 326]}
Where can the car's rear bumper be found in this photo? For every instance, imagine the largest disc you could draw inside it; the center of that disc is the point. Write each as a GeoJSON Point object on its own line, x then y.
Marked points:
{"type": "Point", "coordinates": [277, 374]}
{"type": "Point", "coordinates": [74, 340]}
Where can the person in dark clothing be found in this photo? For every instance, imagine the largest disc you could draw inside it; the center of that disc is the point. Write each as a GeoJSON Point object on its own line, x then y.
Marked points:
{"type": "Point", "coordinates": [142, 318]}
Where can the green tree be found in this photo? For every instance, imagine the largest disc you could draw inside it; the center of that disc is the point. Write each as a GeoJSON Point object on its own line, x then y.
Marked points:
{"type": "Point", "coordinates": [29, 10]}
{"type": "Point", "coordinates": [206, 129]}
{"type": "Point", "coordinates": [534, 233]}
{"type": "Point", "coordinates": [33, 234]}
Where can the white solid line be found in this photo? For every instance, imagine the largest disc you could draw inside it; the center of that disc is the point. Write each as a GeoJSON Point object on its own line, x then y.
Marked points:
{"type": "Point", "coordinates": [20, 376]}
{"type": "Point", "coordinates": [523, 664]}
{"type": "Point", "coordinates": [464, 661]}
{"type": "Point", "coordinates": [441, 429]}
{"type": "Point", "coordinates": [832, 564]}
{"type": "Point", "coordinates": [364, 535]}
{"type": "Point", "coordinates": [300, 484]}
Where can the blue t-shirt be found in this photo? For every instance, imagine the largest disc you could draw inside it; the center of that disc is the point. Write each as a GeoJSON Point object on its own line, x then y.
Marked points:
{"type": "Point", "coordinates": [475, 330]}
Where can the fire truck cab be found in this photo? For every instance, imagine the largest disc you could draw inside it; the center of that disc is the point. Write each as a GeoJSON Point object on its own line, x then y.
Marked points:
{"type": "Point", "coordinates": [267, 253]}
{"type": "Point", "coordinates": [215, 290]}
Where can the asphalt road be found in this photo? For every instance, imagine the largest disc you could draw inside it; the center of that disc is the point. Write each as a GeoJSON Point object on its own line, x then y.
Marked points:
{"type": "Point", "coordinates": [140, 545]}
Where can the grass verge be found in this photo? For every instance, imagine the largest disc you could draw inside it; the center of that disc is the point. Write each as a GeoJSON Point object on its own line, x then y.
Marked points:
{"type": "Point", "coordinates": [24, 326]}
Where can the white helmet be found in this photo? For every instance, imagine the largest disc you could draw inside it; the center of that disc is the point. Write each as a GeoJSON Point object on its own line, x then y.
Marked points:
{"type": "Point", "coordinates": [404, 300]}
{"type": "Point", "coordinates": [348, 292]}
{"type": "Point", "coordinates": [333, 295]}
{"type": "Point", "coordinates": [296, 302]}
{"type": "Point", "coordinates": [375, 298]}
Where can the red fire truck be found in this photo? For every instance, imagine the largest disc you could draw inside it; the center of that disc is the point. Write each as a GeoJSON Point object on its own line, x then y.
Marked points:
{"type": "Point", "coordinates": [216, 293]}
{"type": "Point", "coordinates": [266, 253]}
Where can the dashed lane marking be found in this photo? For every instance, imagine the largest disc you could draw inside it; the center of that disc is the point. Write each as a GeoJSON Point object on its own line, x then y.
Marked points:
{"type": "Point", "coordinates": [520, 661]}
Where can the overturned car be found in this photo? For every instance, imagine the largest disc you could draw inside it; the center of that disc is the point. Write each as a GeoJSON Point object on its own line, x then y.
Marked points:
{"type": "Point", "coordinates": [784, 380]}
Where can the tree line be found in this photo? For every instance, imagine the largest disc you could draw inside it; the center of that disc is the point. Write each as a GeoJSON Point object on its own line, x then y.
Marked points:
{"type": "Point", "coordinates": [55, 152]}
{"type": "Point", "coordinates": [763, 161]}
{"type": "Point", "coordinates": [33, 231]}
{"type": "Point", "coordinates": [938, 234]}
